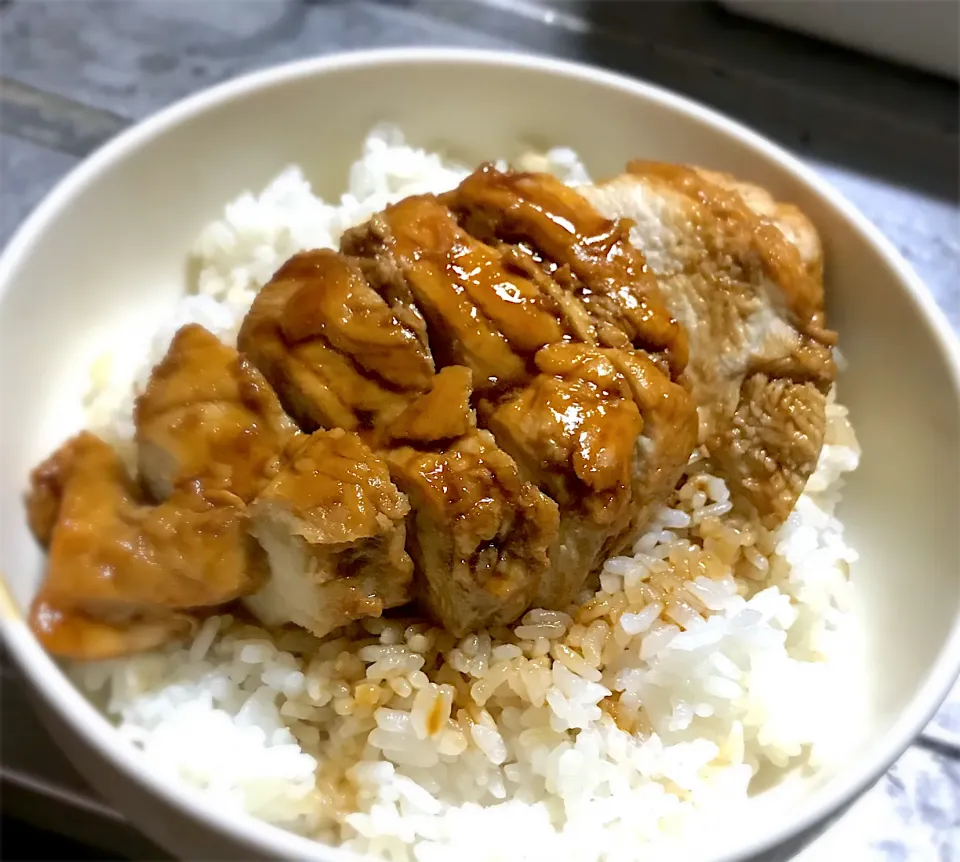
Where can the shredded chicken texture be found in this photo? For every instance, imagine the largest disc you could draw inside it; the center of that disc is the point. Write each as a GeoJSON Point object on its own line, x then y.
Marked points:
{"type": "Point", "coordinates": [333, 524]}
{"type": "Point", "coordinates": [743, 274]}
{"type": "Point", "coordinates": [479, 534]}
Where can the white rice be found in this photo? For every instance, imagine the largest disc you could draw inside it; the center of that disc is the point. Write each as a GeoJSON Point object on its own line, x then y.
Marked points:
{"type": "Point", "coordinates": [599, 734]}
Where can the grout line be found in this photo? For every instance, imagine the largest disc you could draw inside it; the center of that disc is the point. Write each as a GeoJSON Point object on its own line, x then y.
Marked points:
{"type": "Point", "coordinates": [549, 16]}
{"type": "Point", "coordinates": [53, 121]}
{"type": "Point", "coordinates": [434, 26]}
{"type": "Point", "coordinates": [49, 789]}
{"type": "Point", "coordinates": [940, 741]}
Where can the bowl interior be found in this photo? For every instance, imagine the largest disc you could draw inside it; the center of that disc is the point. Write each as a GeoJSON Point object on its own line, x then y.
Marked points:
{"type": "Point", "coordinates": [110, 255]}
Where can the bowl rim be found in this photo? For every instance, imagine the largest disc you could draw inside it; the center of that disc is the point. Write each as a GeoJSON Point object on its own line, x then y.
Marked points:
{"type": "Point", "coordinates": [66, 700]}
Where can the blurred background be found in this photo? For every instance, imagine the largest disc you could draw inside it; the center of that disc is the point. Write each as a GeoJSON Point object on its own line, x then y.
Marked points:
{"type": "Point", "coordinates": [865, 90]}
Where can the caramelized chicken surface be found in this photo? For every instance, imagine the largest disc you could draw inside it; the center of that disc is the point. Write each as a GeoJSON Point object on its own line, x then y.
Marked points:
{"type": "Point", "coordinates": [507, 325]}
{"type": "Point", "coordinates": [331, 346]}
{"type": "Point", "coordinates": [481, 313]}
{"type": "Point", "coordinates": [585, 252]}
{"type": "Point", "coordinates": [117, 568]}
{"type": "Point", "coordinates": [606, 434]}
{"type": "Point", "coordinates": [743, 274]}
{"type": "Point", "coordinates": [332, 523]}
{"type": "Point", "coordinates": [73, 635]}
{"type": "Point", "coordinates": [324, 383]}
{"type": "Point", "coordinates": [443, 413]}
{"type": "Point", "coordinates": [207, 413]}
{"type": "Point", "coordinates": [479, 535]}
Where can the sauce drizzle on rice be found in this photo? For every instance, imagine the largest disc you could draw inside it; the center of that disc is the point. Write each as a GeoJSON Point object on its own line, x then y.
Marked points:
{"type": "Point", "coordinates": [702, 653]}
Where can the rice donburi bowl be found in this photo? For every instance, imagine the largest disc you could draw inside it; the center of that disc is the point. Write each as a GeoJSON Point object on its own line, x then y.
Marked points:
{"type": "Point", "coordinates": [698, 654]}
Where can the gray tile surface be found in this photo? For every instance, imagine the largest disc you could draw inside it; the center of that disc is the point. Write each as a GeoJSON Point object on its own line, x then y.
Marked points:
{"type": "Point", "coordinates": [912, 815]}
{"type": "Point", "coordinates": [55, 122]}
{"type": "Point", "coordinates": [27, 173]}
{"type": "Point", "coordinates": [40, 787]}
{"type": "Point", "coordinates": [74, 73]}
{"type": "Point", "coordinates": [134, 57]}
{"type": "Point", "coordinates": [925, 229]}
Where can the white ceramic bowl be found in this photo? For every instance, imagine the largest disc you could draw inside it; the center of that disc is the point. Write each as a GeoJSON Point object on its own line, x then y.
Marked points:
{"type": "Point", "coordinates": [106, 251]}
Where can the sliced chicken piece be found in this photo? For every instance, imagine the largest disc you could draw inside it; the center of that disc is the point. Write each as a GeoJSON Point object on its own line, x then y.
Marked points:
{"type": "Point", "coordinates": [72, 635]}
{"type": "Point", "coordinates": [112, 558]}
{"type": "Point", "coordinates": [606, 434]}
{"type": "Point", "coordinates": [583, 250]}
{"type": "Point", "coordinates": [48, 481]}
{"type": "Point", "coordinates": [742, 273]}
{"type": "Point", "coordinates": [482, 312]}
{"type": "Point", "coordinates": [443, 413]}
{"type": "Point", "coordinates": [332, 524]}
{"type": "Point", "coordinates": [336, 302]}
{"type": "Point", "coordinates": [479, 535]}
{"type": "Point", "coordinates": [208, 414]}
{"type": "Point", "coordinates": [331, 346]}
{"type": "Point", "coordinates": [495, 307]}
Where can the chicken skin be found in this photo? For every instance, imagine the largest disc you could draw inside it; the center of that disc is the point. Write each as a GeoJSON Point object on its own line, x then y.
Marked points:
{"type": "Point", "coordinates": [588, 254]}
{"type": "Point", "coordinates": [330, 345]}
{"type": "Point", "coordinates": [207, 413]}
{"type": "Point", "coordinates": [115, 561]}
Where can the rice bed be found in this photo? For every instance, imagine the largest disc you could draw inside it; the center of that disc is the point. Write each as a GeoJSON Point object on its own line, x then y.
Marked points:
{"type": "Point", "coordinates": [599, 734]}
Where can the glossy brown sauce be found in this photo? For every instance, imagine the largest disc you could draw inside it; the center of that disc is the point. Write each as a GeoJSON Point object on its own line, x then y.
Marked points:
{"type": "Point", "coordinates": [612, 275]}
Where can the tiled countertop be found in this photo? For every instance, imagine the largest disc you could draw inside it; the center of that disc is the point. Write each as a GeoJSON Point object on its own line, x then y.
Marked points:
{"type": "Point", "coordinates": [75, 73]}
